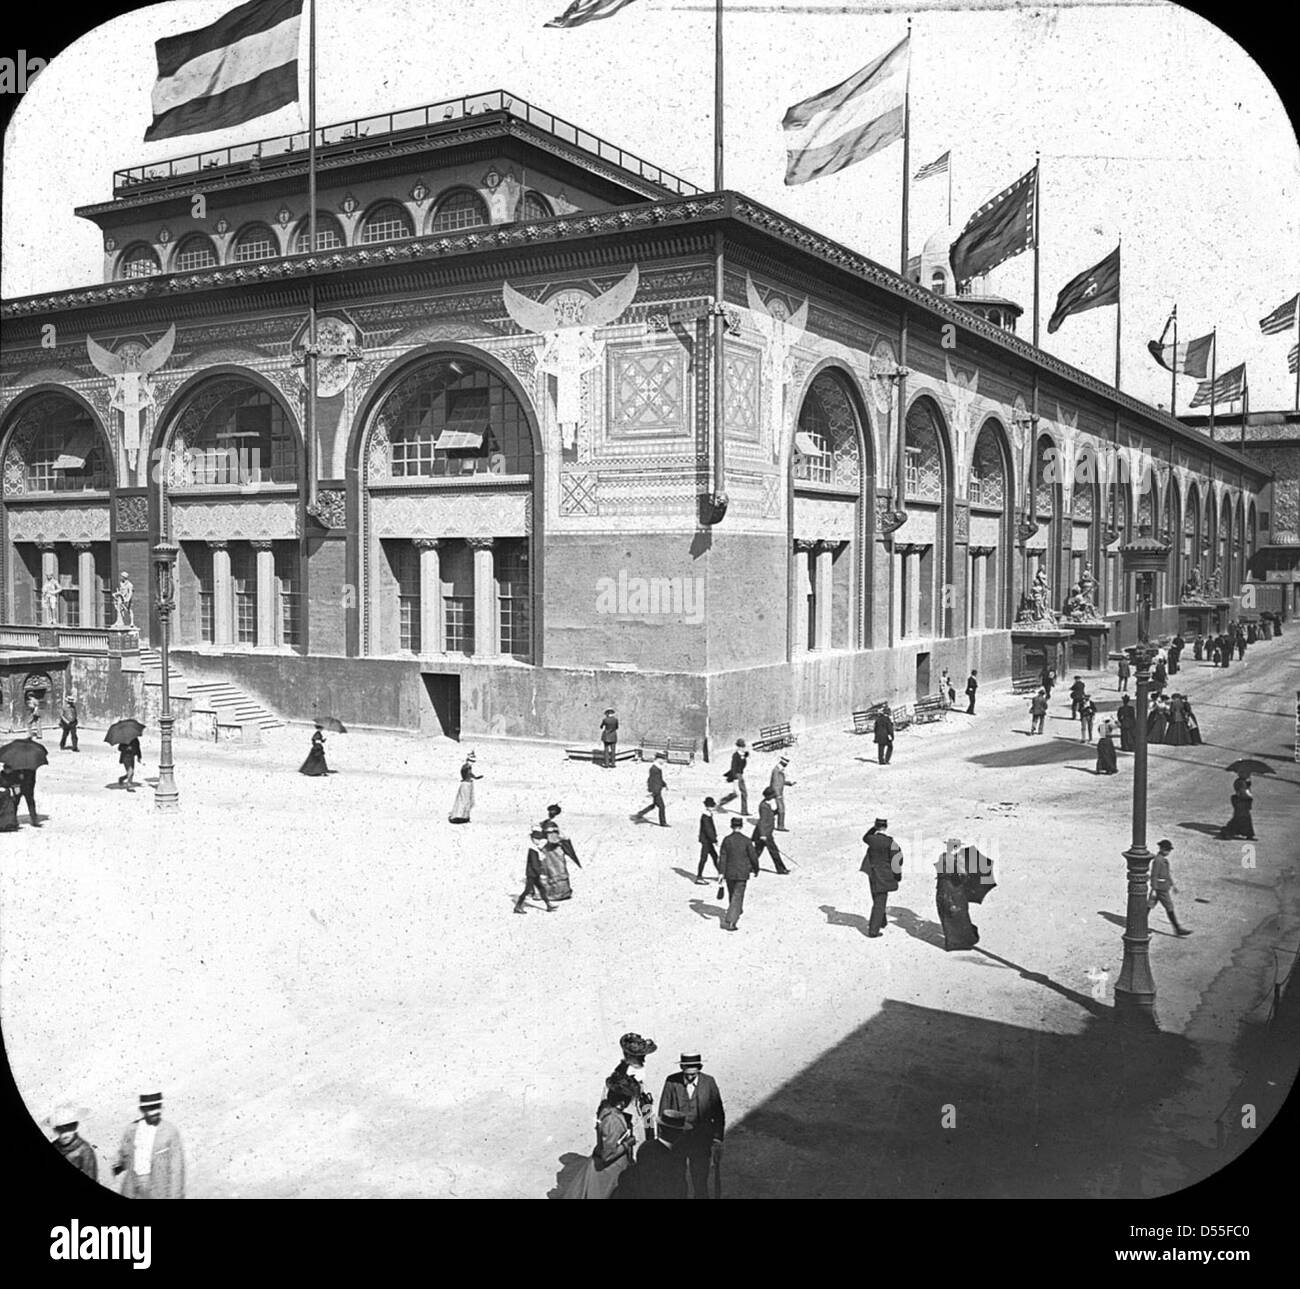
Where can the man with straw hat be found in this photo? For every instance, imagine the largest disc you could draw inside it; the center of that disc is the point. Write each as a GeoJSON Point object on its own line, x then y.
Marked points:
{"type": "Point", "coordinates": [692, 1120]}
{"type": "Point", "coordinates": [77, 1151]}
{"type": "Point", "coordinates": [150, 1155]}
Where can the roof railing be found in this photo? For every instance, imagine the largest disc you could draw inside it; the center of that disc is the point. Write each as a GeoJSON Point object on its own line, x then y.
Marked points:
{"type": "Point", "coordinates": [367, 132]}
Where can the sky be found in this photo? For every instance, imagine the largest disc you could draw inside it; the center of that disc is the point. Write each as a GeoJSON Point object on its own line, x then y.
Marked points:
{"type": "Point", "coordinates": [1153, 126]}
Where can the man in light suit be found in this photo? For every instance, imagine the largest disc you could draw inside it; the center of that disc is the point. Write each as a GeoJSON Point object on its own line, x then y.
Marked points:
{"type": "Point", "coordinates": [151, 1155]}
{"type": "Point", "coordinates": [778, 783]}
{"type": "Point", "coordinates": [692, 1121]}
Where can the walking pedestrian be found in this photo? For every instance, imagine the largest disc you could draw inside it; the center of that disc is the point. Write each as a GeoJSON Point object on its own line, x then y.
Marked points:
{"type": "Point", "coordinates": [1107, 762]}
{"type": "Point", "coordinates": [464, 803]}
{"type": "Point", "coordinates": [1193, 725]}
{"type": "Point", "coordinates": [1177, 733]}
{"type": "Point", "coordinates": [608, 738]}
{"type": "Point", "coordinates": [314, 766]}
{"type": "Point", "coordinates": [1087, 711]}
{"type": "Point", "coordinates": [972, 686]}
{"type": "Point", "coordinates": [150, 1155]}
{"type": "Point", "coordinates": [1159, 677]}
{"type": "Point", "coordinates": [1163, 889]}
{"type": "Point", "coordinates": [739, 862]}
{"type": "Point", "coordinates": [1176, 654]}
{"type": "Point", "coordinates": [655, 786]}
{"type": "Point", "coordinates": [1126, 718]}
{"type": "Point", "coordinates": [778, 783]}
{"type": "Point", "coordinates": [1076, 697]}
{"type": "Point", "coordinates": [1125, 670]}
{"type": "Point", "coordinates": [708, 842]}
{"type": "Point", "coordinates": [535, 881]}
{"type": "Point", "coordinates": [1241, 645]}
{"type": "Point", "coordinates": [883, 865]}
{"type": "Point", "coordinates": [1037, 711]}
{"type": "Point", "coordinates": [34, 727]}
{"type": "Point", "coordinates": [692, 1121]}
{"type": "Point", "coordinates": [736, 777]}
{"type": "Point", "coordinates": [554, 865]}
{"type": "Point", "coordinates": [68, 723]}
{"type": "Point", "coordinates": [552, 820]}
{"type": "Point", "coordinates": [77, 1151]}
{"type": "Point", "coordinates": [883, 733]}
{"type": "Point", "coordinates": [8, 800]}
{"type": "Point", "coordinates": [1241, 825]}
{"type": "Point", "coordinates": [128, 754]}
{"type": "Point", "coordinates": [764, 837]}
{"type": "Point", "coordinates": [1048, 677]}
{"type": "Point", "coordinates": [952, 899]}
{"type": "Point", "coordinates": [1158, 720]}
{"type": "Point", "coordinates": [1198, 647]}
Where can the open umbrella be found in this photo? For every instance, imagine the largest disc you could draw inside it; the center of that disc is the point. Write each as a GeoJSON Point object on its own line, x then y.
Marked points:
{"type": "Point", "coordinates": [124, 731]}
{"type": "Point", "coordinates": [1249, 766]}
{"type": "Point", "coordinates": [977, 870]}
{"type": "Point", "coordinates": [333, 724]}
{"type": "Point", "coordinates": [24, 754]}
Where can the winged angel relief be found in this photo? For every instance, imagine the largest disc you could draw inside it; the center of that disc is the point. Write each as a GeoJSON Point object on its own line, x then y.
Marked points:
{"type": "Point", "coordinates": [781, 330]}
{"type": "Point", "coordinates": [132, 388]}
{"type": "Point", "coordinates": [568, 325]}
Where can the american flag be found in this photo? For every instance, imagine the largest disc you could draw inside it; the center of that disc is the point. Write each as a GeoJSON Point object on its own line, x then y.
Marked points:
{"type": "Point", "coordinates": [1281, 319]}
{"type": "Point", "coordinates": [1228, 388]}
{"type": "Point", "coordinates": [581, 11]}
{"type": "Point", "coordinates": [1293, 358]}
{"type": "Point", "coordinates": [939, 166]}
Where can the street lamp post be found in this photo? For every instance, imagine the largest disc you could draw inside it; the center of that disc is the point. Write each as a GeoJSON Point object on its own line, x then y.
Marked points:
{"type": "Point", "coordinates": [1135, 990]}
{"type": "Point", "coordinates": [165, 797]}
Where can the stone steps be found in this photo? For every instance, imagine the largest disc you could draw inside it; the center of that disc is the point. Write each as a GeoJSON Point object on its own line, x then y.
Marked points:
{"type": "Point", "coordinates": [230, 704]}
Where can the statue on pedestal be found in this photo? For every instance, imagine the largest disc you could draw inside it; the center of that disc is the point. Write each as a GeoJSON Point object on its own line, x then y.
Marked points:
{"type": "Point", "coordinates": [1213, 585]}
{"type": "Point", "coordinates": [122, 602]}
{"type": "Point", "coordinates": [1034, 609]}
{"type": "Point", "coordinates": [1080, 606]}
{"type": "Point", "coordinates": [50, 592]}
{"type": "Point", "coordinates": [1192, 587]}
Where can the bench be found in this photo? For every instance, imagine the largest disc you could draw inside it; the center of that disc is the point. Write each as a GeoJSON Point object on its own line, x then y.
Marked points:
{"type": "Point", "coordinates": [678, 751]}
{"type": "Point", "coordinates": [864, 722]}
{"type": "Point", "coordinates": [1025, 684]}
{"type": "Point", "coordinates": [926, 710]}
{"type": "Point", "coordinates": [597, 753]}
{"type": "Point", "coordinates": [772, 737]}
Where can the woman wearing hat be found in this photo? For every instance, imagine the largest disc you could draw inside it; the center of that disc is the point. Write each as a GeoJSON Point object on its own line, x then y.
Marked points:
{"type": "Point", "coordinates": [1241, 826]}
{"type": "Point", "coordinates": [614, 1145]}
{"type": "Point", "coordinates": [315, 765]}
{"type": "Point", "coordinates": [632, 1069]}
{"type": "Point", "coordinates": [553, 863]}
{"type": "Point", "coordinates": [128, 754]}
{"type": "Point", "coordinates": [464, 802]}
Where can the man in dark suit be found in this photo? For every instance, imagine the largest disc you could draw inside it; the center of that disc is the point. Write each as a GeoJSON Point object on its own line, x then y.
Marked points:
{"type": "Point", "coordinates": [736, 777]}
{"type": "Point", "coordinates": [739, 863]}
{"type": "Point", "coordinates": [972, 687]}
{"type": "Point", "coordinates": [68, 723]}
{"type": "Point", "coordinates": [692, 1120]}
{"type": "Point", "coordinates": [764, 837]}
{"type": "Point", "coordinates": [1076, 696]}
{"type": "Point", "coordinates": [884, 736]}
{"type": "Point", "coordinates": [883, 865]}
{"type": "Point", "coordinates": [708, 841]}
{"type": "Point", "coordinates": [1127, 718]}
{"type": "Point", "coordinates": [609, 737]}
{"type": "Point", "coordinates": [655, 786]}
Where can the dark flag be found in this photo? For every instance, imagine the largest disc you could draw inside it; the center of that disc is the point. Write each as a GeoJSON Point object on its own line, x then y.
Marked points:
{"type": "Point", "coordinates": [1225, 389]}
{"type": "Point", "coordinates": [1292, 359]}
{"type": "Point", "coordinates": [240, 67]}
{"type": "Point", "coordinates": [1000, 229]}
{"type": "Point", "coordinates": [1190, 359]}
{"type": "Point", "coordinates": [581, 11]}
{"type": "Point", "coordinates": [1281, 319]}
{"type": "Point", "coordinates": [1093, 289]}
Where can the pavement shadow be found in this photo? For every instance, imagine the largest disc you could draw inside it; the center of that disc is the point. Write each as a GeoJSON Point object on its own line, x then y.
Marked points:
{"type": "Point", "coordinates": [1090, 1005]}
{"type": "Point", "coordinates": [682, 872]}
{"type": "Point", "coordinates": [569, 1166]}
{"type": "Point", "coordinates": [1210, 829]}
{"type": "Point", "coordinates": [707, 910]}
{"type": "Point", "coordinates": [835, 918]}
{"type": "Point", "coordinates": [1053, 751]}
{"type": "Point", "coordinates": [1113, 918]}
{"type": "Point", "coordinates": [917, 927]}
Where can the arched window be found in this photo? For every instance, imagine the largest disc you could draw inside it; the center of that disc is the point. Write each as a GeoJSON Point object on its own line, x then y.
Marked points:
{"type": "Point", "coordinates": [451, 418]}
{"type": "Point", "coordinates": [991, 537]}
{"type": "Point", "coordinates": [987, 472]}
{"type": "Point", "coordinates": [826, 441]}
{"type": "Point", "coordinates": [329, 234]}
{"type": "Point", "coordinates": [256, 242]}
{"type": "Point", "coordinates": [138, 261]}
{"type": "Point", "coordinates": [195, 252]}
{"type": "Point", "coordinates": [57, 449]}
{"type": "Point", "coordinates": [936, 281]}
{"type": "Point", "coordinates": [924, 571]}
{"type": "Point", "coordinates": [232, 432]}
{"type": "Point", "coordinates": [388, 222]}
{"type": "Point", "coordinates": [533, 206]}
{"type": "Point", "coordinates": [461, 208]}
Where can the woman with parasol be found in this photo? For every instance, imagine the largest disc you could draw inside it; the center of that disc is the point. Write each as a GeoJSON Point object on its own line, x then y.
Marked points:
{"type": "Point", "coordinates": [20, 759]}
{"type": "Point", "coordinates": [964, 876]}
{"type": "Point", "coordinates": [314, 766]}
{"type": "Point", "coordinates": [464, 802]}
{"type": "Point", "coordinates": [125, 734]}
{"type": "Point", "coordinates": [1241, 825]}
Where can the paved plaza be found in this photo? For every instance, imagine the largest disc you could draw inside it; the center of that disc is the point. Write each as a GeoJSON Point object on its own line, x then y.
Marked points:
{"type": "Point", "coordinates": [325, 978]}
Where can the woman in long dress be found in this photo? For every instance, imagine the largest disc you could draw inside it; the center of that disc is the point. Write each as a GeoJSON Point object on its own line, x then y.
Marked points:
{"type": "Point", "coordinates": [9, 800]}
{"type": "Point", "coordinates": [1107, 762]}
{"type": "Point", "coordinates": [128, 754]}
{"type": "Point", "coordinates": [1157, 722]}
{"type": "Point", "coordinates": [1193, 725]}
{"type": "Point", "coordinates": [555, 866]}
{"type": "Point", "coordinates": [953, 903]}
{"type": "Point", "coordinates": [464, 802]}
{"type": "Point", "coordinates": [1241, 825]}
{"type": "Point", "coordinates": [1178, 734]}
{"type": "Point", "coordinates": [315, 765]}
{"type": "Point", "coordinates": [613, 1153]}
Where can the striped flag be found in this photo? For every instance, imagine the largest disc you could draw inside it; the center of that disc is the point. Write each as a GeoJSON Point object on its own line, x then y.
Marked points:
{"type": "Point", "coordinates": [1001, 228]}
{"type": "Point", "coordinates": [848, 122]}
{"type": "Point", "coordinates": [939, 166]}
{"type": "Point", "coordinates": [1190, 359]}
{"type": "Point", "coordinates": [1282, 318]}
{"type": "Point", "coordinates": [1092, 289]}
{"type": "Point", "coordinates": [1228, 388]}
{"type": "Point", "coordinates": [241, 67]}
{"type": "Point", "coordinates": [1293, 359]}
{"type": "Point", "coordinates": [581, 11]}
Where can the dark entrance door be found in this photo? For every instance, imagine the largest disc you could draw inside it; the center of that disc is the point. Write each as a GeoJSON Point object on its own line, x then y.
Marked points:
{"type": "Point", "coordinates": [441, 713]}
{"type": "Point", "coordinates": [922, 675]}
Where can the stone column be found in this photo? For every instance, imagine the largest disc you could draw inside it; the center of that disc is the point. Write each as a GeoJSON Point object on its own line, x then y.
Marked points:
{"type": "Point", "coordinates": [803, 586]}
{"type": "Point", "coordinates": [268, 602]}
{"type": "Point", "coordinates": [223, 595]}
{"type": "Point", "coordinates": [979, 570]}
{"type": "Point", "coordinates": [87, 599]}
{"type": "Point", "coordinates": [432, 638]}
{"type": "Point", "coordinates": [825, 558]}
{"type": "Point", "coordinates": [912, 580]}
{"type": "Point", "coordinates": [486, 628]}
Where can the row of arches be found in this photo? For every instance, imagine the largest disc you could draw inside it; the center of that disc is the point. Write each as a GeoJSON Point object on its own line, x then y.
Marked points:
{"type": "Point", "coordinates": [385, 221]}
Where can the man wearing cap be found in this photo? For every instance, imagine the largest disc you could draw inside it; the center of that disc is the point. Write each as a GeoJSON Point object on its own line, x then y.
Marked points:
{"type": "Point", "coordinates": [736, 777]}
{"type": "Point", "coordinates": [78, 1152]}
{"type": "Point", "coordinates": [778, 783]}
{"type": "Point", "coordinates": [708, 841]}
{"type": "Point", "coordinates": [739, 862]}
{"type": "Point", "coordinates": [151, 1155]}
{"type": "Point", "coordinates": [1163, 889]}
{"type": "Point", "coordinates": [608, 737]}
{"type": "Point", "coordinates": [883, 865]}
{"type": "Point", "coordinates": [692, 1120]}
{"type": "Point", "coordinates": [68, 723]}
{"type": "Point", "coordinates": [764, 837]}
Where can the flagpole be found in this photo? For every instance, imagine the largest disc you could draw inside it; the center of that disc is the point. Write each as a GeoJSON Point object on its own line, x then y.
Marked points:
{"type": "Point", "coordinates": [900, 463]}
{"type": "Point", "coordinates": [1037, 239]}
{"type": "Point", "coordinates": [309, 435]}
{"type": "Point", "coordinates": [718, 502]}
{"type": "Point", "coordinates": [1245, 406]}
{"type": "Point", "coordinates": [907, 149]}
{"type": "Point", "coordinates": [949, 168]}
{"type": "Point", "coordinates": [1214, 375]}
{"type": "Point", "coordinates": [1119, 299]}
{"type": "Point", "coordinates": [1297, 357]}
{"type": "Point", "coordinates": [717, 97]}
{"type": "Point", "coordinates": [1173, 370]}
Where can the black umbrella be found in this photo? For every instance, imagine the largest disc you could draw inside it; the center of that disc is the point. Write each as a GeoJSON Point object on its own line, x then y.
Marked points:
{"type": "Point", "coordinates": [976, 869]}
{"type": "Point", "coordinates": [124, 731]}
{"type": "Point", "coordinates": [333, 724]}
{"type": "Point", "coordinates": [1247, 766]}
{"type": "Point", "coordinates": [24, 754]}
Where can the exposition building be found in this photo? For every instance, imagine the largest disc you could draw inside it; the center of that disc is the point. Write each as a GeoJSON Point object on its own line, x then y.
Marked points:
{"type": "Point", "coordinates": [507, 515]}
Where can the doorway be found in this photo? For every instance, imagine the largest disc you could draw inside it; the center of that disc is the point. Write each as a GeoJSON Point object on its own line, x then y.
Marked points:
{"type": "Point", "coordinates": [922, 676]}
{"type": "Point", "coordinates": [440, 712]}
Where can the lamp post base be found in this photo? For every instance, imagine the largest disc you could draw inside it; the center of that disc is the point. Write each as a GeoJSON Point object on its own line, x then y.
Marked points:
{"type": "Point", "coordinates": [166, 796]}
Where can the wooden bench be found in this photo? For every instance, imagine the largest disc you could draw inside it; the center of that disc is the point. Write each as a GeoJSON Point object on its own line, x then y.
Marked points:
{"type": "Point", "coordinates": [772, 737]}
{"type": "Point", "coordinates": [597, 753]}
{"type": "Point", "coordinates": [678, 751]}
{"type": "Point", "coordinates": [1025, 685]}
{"type": "Point", "coordinates": [926, 710]}
{"type": "Point", "coordinates": [864, 722]}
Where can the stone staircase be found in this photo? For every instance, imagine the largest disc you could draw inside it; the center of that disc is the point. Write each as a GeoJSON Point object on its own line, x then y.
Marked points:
{"type": "Point", "coordinates": [231, 707]}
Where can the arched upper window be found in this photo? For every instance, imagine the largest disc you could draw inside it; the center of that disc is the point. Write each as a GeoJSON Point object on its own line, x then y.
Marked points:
{"type": "Point", "coordinates": [826, 441]}
{"type": "Point", "coordinates": [460, 208]}
{"type": "Point", "coordinates": [1047, 476]}
{"type": "Point", "coordinates": [533, 206]}
{"type": "Point", "coordinates": [232, 432]}
{"type": "Point", "coordinates": [924, 474]}
{"type": "Point", "coordinates": [55, 448]}
{"type": "Point", "coordinates": [451, 418]}
{"type": "Point", "coordinates": [195, 252]}
{"type": "Point", "coordinates": [388, 222]}
{"type": "Point", "coordinates": [138, 261]}
{"type": "Point", "coordinates": [988, 479]}
{"type": "Point", "coordinates": [937, 281]}
{"type": "Point", "coordinates": [329, 234]}
{"type": "Point", "coordinates": [256, 242]}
